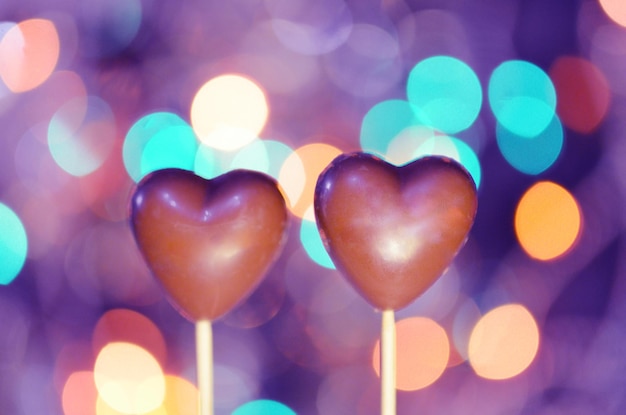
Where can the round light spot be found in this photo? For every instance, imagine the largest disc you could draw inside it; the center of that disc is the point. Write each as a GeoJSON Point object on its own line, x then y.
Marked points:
{"type": "Point", "coordinates": [531, 155]}
{"type": "Point", "coordinates": [228, 112]}
{"type": "Point", "coordinates": [79, 394]}
{"type": "Point", "coordinates": [422, 355]}
{"type": "Point", "coordinates": [455, 149]}
{"type": "Point", "coordinates": [312, 241]}
{"type": "Point", "coordinates": [522, 97]}
{"type": "Point", "coordinates": [300, 171]}
{"type": "Point", "coordinates": [263, 407]}
{"type": "Point", "coordinates": [504, 342]}
{"type": "Point", "coordinates": [123, 325]}
{"type": "Point", "coordinates": [402, 148]}
{"type": "Point", "coordinates": [13, 244]}
{"type": "Point", "coordinates": [166, 125]}
{"type": "Point", "coordinates": [181, 397]}
{"type": "Point", "coordinates": [583, 93]}
{"type": "Point", "coordinates": [447, 91]}
{"type": "Point", "coordinates": [29, 52]}
{"type": "Point", "coordinates": [81, 135]}
{"type": "Point", "coordinates": [175, 147]}
{"type": "Point", "coordinates": [129, 379]}
{"type": "Point", "coordinates": [616, 10]}
{"type": "Point", "coordinates": [208, 162]}
{"type": "Point", "coordinates": [547, 221]}
{"type": "Point", "coordinates": [252, 156]}
{"type": "Point", "coordinates": [387, 120]}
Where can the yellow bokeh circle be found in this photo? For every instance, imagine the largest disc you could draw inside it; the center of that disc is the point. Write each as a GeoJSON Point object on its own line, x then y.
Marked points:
{"type": "Point", "coordinates": [504, 342]}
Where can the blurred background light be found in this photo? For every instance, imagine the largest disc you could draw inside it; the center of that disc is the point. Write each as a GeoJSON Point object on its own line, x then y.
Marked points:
{"type": "Point", "coordinates": [616, 10]}
{"type": "Point", "coordinates": [522, 97]}
{"type": "Point", "coordinates": [453, 148]}
{"type": "Point", "coordinates": [166, 125]}
{"type": "Point", "coordinates": [504, 342]}
{"type": "Point", "coordinates": [548, 221]}
{"type": "Point", "coordinates": [300, 171]}
{"type": "Point", "coordinates": [531, 155]}
{"type": "Point", "coordinates": [583, 93]}
{"type": "Point", "coordinates": [263, 406]}
{"type": "Point", "coordinates": [387, 120]}
{"type": "Point", "coordinates": [447, 91]}
{"type": "Point", "coordinates": [129, 379]}
{"type": "Point", "coordinates": [181, 396]}
{"type": "Point", "coordinates": [81, 135]}
{"type": "Point", "coordinates": [123, 325]}
{"type": "Point", "coordinates": [29, 52]}
{"type": "Point", "coordinates": [228, 112]}
{"type": "Point", "coordinates": [423, 351]}
{"type": "Point", "coordinates": [13, 244]}
{"type": "Point", "coordinates": [80, 395]}
{"type": "Point", "coordinates": [312, 241]}
{"type": "Point", "coordinates": [172, 148]}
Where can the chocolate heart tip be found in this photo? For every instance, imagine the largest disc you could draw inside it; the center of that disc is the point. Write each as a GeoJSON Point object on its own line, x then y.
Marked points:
{"type": "Point", "coordinates": [392, 231]}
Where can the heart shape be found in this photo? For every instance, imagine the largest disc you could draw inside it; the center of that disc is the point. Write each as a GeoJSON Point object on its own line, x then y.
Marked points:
{"type": "Point", "coordinates": [209, 242]}
{"type": "Point", "coordinates": [392, 231]}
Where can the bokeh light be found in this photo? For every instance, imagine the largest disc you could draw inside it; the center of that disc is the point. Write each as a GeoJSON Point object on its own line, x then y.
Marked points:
{"type": "Point", "coordinates": [616, 10]}
{"type": "Point", "coordinates": [129, 379]}
{"type": "Point", "coordinates": [123, 325]}
{"type": "Point", "coordinates": [402, 148]}
{"type": "Point", "coordinates": [265, 156]}
{"type": "Point", "coordinates": [103, 408]}
{"type": "Point", "coordinates": [422, 355]}
{"type": "Point", "coordinates": [229, 111]}
{"type": "Point", "coordinates": [299, 174]}
{"type": "Point", "coordinates": [81, 135]}
{"type": "Point", "coordinates": [165, 125]}
{"type": "Point", "coordinates": [531, 155]}
{"type": "Point", "coordinates": [262, 407]}
{"type": "Point", "coordinates": [447, 91]}
{"type": "Point", "coordinates": [181, 396]}
{"type": "Point", "coordinates": [13, 244]}
{"type": "Point", "coordinates": [387, 120]}
{"type": "Point", "coordinates": [312, 241]}
{"type": "Point", "coordinates": [522, 97]}
{"type": "Point", "coordinates": [548, 221]}
{"type": "Point", "coordinates": [583, 93]}
{"type": "Point", "coordinates": [29, 52]}
{"type": "Point", "coordinates": [455, 149]}
{"type": "Point", "coordinates": [79, 395]}
{"type": "Point", "coordinates": [175, 147]}
{"type": "Point", "coordinates": [504, 342]}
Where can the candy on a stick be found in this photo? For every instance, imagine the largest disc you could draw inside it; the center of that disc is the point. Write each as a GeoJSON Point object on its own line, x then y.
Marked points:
{"type": "Point", "coordinates": [392, 231]}
{"type": "Point", "coordinates": [209, 243]}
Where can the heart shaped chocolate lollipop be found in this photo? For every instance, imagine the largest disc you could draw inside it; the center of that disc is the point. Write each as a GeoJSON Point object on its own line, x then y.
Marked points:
{"type": "Point", "coordinates": [209, 242]}
{"type": "Point", "coordinates": [392, 231]}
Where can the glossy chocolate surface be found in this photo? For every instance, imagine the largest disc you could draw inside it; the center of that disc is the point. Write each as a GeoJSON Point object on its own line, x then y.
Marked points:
{"type": "Point", "coordinates": [392, 231]}
{"type": "Point", "coordinates": [209, 242]}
